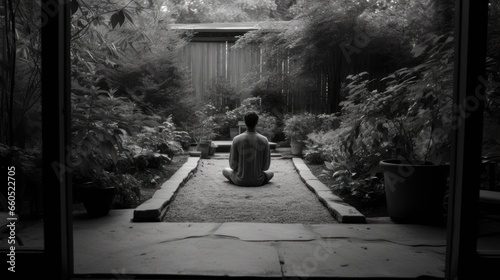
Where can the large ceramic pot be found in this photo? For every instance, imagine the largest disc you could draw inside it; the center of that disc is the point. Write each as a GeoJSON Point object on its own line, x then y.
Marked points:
{"type": "Point", "coordinates": [415, 192]}
{"type": "Point", "coordinates": [297, 148]}
{"type": "Point", "coordinates": [97, 201]}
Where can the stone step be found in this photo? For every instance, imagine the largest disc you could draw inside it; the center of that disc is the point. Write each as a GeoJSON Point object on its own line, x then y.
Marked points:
{"type": "Point", "coordinates": [225, 146]}
{"type": "Point", "coordinates": [225, 154]}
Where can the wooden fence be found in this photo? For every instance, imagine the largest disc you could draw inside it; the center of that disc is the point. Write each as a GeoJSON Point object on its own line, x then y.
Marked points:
{"type": "Point", "coordinates": [241, 67]}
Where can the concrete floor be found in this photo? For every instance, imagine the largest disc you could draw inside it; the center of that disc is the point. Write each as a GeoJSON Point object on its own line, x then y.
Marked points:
{"type": "Point", "coordinates": [115, 245]}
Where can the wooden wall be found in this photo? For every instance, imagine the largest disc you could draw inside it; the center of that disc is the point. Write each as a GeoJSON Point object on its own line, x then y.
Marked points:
{"type": "Point", "coordinates": [208, 61]}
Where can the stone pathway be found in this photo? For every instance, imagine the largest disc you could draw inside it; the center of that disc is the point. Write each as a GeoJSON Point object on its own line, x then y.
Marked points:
{"type": "Point", "coordinates": [291, 197]}
{"type": "Point", "coordinates": [209, 197]}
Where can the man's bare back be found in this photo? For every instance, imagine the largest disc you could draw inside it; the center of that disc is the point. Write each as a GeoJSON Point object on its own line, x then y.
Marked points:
{"type": "Point", "coordinates": [250, 157]}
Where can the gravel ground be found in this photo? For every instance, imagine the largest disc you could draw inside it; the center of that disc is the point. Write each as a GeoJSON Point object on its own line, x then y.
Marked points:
{"type": "Point", "coordinates": [209, 197]}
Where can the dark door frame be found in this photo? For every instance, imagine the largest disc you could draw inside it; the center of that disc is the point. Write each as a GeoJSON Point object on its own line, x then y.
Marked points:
{"type": "Point", "coordinates": [471, 26]}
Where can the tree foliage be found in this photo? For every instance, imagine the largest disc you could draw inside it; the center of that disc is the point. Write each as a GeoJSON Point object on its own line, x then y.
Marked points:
{"type": "Point", "coordinates": [202, 11]}
{"type": "Point", "coordinates": [21, 72]}
{"type": "Point", "coordinates": [128, 90]}
{"type": "Point", "coordinates": [337, 38]}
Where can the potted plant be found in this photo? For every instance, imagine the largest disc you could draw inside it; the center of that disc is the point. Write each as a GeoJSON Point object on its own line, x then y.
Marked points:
{"type": "Point", "coordinates": [204, 131]}
{"type": "Point", "coordinates": [411, 120]}
{"type": "Point", "coordinates": [99, 123]}
{"type": "Point", "coordinates": [97, 197]}
{"type": "Point", "coordinates": [231, 121]}
{"type": "Point", "coordinates": [296, 129]}
{"type": "Point", "coordinates": [234, 118]}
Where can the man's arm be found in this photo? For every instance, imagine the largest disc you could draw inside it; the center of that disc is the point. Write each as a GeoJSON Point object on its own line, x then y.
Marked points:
{"type": "Point", "coordinates": [233, 157]}
{"type": "Point", "coordinates": [266, 157]}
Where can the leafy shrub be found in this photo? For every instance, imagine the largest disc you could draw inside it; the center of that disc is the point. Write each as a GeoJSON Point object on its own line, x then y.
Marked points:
{"type": "Point", "coordinates": [320, 145]}
{"type": "Point", "coordinates": [413, 114]}
{"type": "Point", "coordinates": [410, 118]}
{"type": "Point", "coordinates": [183, 138]}
{"type": "Point", "coordinates": [204, 129]}
{"type": "Point", "coordinates": [222, 95]}
{"type": "Point", "coordinates": [298, 126]}
{"type": "Point", "coordinates": [267, 125]}
{"type": "Point", "coordinates": [370, 190]}
{"type": "Point", "coordinates": [150, 160]}
{"type": "Point", "coordinates": [99, 120]}
{"type": "Point", "coordinates": [128, 191]}
{"type": "Point", "coordinates": [328, 122]}
{"type": "Point", "coordinates": [154, 144]}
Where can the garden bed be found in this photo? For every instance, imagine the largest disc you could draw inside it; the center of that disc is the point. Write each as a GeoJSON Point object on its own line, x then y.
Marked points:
{"type": "Point", "coordinates": [369, 210]}
{"type": "Point", "coordinates": [151, 178]}
{"type": "Point", "coordinates": [159, 176]}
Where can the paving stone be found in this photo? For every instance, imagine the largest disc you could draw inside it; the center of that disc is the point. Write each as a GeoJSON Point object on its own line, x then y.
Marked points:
{"type": "Point", "coordinates": [164, 194]}
{"type": "Point", "coordinates": [329, 196]}
{"type": "Point", "coordinates": [343, 212]}
{"type": "Point", "coordinates": [265, 232]}
{"type": "Point", "coordinates": [299, 164]}
{"type": "Point", "coordinates": [414, 235]}
{"type": "Point", "coordinates": [194, 256]}
{"type": "Point", "coordinates": [153, 210]}
{"type": "Point", "coordinates": [379, 220]}
{"type": "Point", "coordinates": [96, 247]}
{"type": "Point", "coordinates": [184, 171]}
{"type": "Point", "coordinates": [317, 186]}
{"type": "Point", "coordinates": [307, 175]}
{"type": "Point", "coordinates": [191, 162]}
{"type": "Point", "coordinates": [150, 210]}
{"type": "Point", "coordinates": [179, 176]}
{"type": "Point", "coordinates": [172, 185]}
{"type": "Point", "coordinates": [304, 171]}
{"type": "Point", "coordinates": [344, 258]}
{"type": "Point", "coordinates": [117, 237]}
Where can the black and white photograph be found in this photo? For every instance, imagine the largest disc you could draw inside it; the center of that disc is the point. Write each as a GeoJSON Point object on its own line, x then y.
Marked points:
{"type": "Point", "coordinates": [250, 139]}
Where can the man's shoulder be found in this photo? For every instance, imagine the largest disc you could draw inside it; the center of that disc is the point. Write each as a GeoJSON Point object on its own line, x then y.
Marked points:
{"type": "Point", "coordinates": [263, 138]}
{"type": "Point", "coordinates": [238, 138]}
{"type": "Point", "coordinates": [241, 137]}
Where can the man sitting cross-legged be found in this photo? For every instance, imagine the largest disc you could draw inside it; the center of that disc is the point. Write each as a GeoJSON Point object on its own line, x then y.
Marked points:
{"type": "Point", "coordinates": [249, 157]}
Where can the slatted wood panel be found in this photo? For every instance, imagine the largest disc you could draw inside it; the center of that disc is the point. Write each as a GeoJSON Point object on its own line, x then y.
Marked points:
{"type": "Point", "coordinates": [208, 61]}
